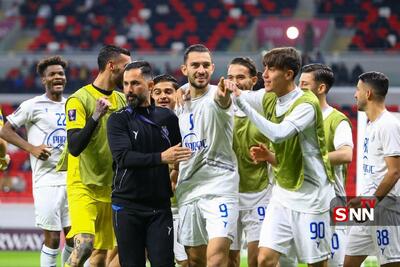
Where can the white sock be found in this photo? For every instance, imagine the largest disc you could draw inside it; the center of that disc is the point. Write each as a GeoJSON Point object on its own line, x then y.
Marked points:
{"type": "Point", "coordinates": [48, 257]}
{"type": "Point", "coordinates": [87, 263]}
{"type": "Point", "coordinates": [66, 252]}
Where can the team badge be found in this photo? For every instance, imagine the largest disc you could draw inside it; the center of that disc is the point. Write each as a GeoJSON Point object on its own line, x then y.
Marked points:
{"type": "Point", "coordinates": [72, 115]}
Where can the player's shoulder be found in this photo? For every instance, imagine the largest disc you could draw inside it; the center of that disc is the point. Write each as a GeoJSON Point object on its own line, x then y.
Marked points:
{"type": "Point", "coordinates": [164, 112]}
{"type": "Point", "coordinates": [388, 121]}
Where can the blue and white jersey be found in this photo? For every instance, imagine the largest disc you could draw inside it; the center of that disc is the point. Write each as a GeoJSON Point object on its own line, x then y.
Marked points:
{"type": "Point", "coordinates": [382, 139]}
{"type": "Point", "coordinates": [44, 120]}
{"type": "Point", "coordinates": [207, 130]}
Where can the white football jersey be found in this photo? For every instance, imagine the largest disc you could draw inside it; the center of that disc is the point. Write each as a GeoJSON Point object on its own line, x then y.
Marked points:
{"type": "Point", "coordinates": [207, 130]}
{"type": "Point", "coordinates": [44, 120]}
{"type": "Point", "coordinates": [382, 139]}
{"type": "Point", "coordinates": [316, 192]}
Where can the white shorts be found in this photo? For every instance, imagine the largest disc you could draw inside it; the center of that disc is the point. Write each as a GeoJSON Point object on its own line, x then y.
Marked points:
{"type": "Point", "coordinates": [338, 246]}
{"type": "Point", "coordinates": [308, 234]}
{"type": "Point", "coordinates": [250, 219]}
{"type": "Point", "coordinates": [51, 207]}
{"type": "Point", "coordinates": [380, 241]}
{"type": "Point", "coordinates": [207, 218]}
{"type": "Point", "coordinates": [179, 250]}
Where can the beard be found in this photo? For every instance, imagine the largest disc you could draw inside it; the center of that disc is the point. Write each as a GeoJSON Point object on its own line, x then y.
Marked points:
{"type": "Point", "coordinates": [196, 85]}
{"type": "Point", "coordinates": [118, 80]}
{"type": "Point", "coordinates": [135, 100]}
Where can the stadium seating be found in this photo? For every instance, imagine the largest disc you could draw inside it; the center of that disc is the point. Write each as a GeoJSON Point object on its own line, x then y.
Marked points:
{"type": "Point", "coordinates": [377, 23]}
{"type": "Point", "coordinates": [142, 25]}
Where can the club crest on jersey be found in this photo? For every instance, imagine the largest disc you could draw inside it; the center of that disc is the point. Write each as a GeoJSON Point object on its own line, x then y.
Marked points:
{"type": "Point", "coordinates": [72, 115]}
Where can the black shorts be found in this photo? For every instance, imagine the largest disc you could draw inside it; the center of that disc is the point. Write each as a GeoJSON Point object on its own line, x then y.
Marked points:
{"type": "Point", "coordinates": [140, 230]}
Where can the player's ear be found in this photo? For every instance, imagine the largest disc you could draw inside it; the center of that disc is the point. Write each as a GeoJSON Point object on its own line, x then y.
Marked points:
{"type": "Point", "coordinates": [184, 69]}
{"type": "Point", "coordinates": [321, 89]}
{"type": "Point", "coordinates": [150, 85]}
{"type": "Point", "coordinates": [289, 75]}
{"type": "Point", "coordinates": [254, 80]}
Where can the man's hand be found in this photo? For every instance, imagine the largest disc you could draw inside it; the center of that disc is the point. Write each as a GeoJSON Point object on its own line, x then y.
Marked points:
{"type": "Point", "coordinates": [175, 154]}
{"type": "Point", "coordinates": [261, 153]}
{"type": "Point", "coordinates": [182, 95]}
{"type": "Point", "coordinates": [4, 161]}
{"type": "Point", "coordinates": [102, 105]}
{"type": "Point", "coordinates": [41, 152]}
{"type": "Point", "coordinates": [228, 87]}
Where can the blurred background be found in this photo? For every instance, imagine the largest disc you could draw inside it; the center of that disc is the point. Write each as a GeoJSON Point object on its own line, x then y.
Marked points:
{"type": "Point", "coordinates": [351, 36]}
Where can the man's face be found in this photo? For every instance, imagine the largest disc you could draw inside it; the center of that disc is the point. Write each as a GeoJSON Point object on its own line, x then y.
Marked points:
{"type": "Point", "coordinates": [117, 67]}
{"type": "Point", "coordinates": [198, 68]}
{"type": "Point", "coordinates": [54, 79]}
{"type": "Point", "coordinates": [361, 95]}
{"type": "Point", "coordinates": [136, 87]}
{"type": "Point", "coordinates": [164, 94]}
{"type": "Point", "coordinates": [240, 75]}
{"type": "Point", "coordinates": [307, 81]}
{"type": "Point", "coordinates": [275, 80]}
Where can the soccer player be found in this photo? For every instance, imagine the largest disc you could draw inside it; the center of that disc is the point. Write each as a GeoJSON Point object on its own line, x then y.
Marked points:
{"type": "Point", "coordinates": [207, 188]}
{"type": "Point", "coordinates": [319, 79]}
{"type": "Point", "coordinates": [89, 175]}
{"type": "Point", "coordinates": [292, 120]}
{"type": "Point", "coordinates": [4, 157]}
{"type": "Point", "coordinates": [164, 95]}
{"type": "Point", "coordinates": [143, 140]}
{"type": "Point", "coordinates": [44, 118]}
{"type": "Point", "coordinates": [254, 187]}
{"type": "Point", "coordinates": [381, 165]}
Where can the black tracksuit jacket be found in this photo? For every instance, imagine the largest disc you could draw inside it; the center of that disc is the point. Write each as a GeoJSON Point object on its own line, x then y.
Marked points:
{"type": "Point", "coordinates": [136, 138]}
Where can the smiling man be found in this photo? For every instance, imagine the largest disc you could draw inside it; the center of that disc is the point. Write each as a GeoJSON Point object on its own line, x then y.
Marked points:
{"type": "Point", "coordinates": [207, 189]}
{"type": "Point", "coordinates": [44, 118]}
{"type": "Point", "coordinates": [164, 91]}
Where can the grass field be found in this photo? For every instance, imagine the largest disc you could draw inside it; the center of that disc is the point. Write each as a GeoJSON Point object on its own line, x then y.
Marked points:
{"type": "Point", "coordinates": [31, 259]}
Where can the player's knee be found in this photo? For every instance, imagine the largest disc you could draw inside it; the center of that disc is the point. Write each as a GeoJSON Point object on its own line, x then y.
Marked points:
{"type": "Point", "coordinates": [183, 263]}
{"type": "Point", "coordinates": [265, 261]}
{"type": "Point", "coordinates": [52, 240]}
{"type": "Point", "coordinates": [196, 261]}
{"type": "Point", "coordinates": [85, 248]}
{"type": "Point", "coordinates": [217, 259]}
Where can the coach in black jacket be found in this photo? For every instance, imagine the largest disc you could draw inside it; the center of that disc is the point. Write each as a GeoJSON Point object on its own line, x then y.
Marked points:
{"type": "Point", "coordinates": [143, 140]}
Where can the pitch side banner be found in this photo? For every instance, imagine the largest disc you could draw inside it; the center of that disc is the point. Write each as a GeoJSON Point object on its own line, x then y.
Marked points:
{"type": "Point", "coordinates": [274, 30]}
{"type": "Point", "coordinates": [21, 239]}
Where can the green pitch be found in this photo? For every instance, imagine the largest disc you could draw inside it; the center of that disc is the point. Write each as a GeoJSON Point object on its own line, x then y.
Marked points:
{"type": "Point", "coordinates": [31, 259]}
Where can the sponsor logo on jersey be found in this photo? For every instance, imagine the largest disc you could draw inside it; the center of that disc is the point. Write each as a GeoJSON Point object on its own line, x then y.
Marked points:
{"type": "Point", "coordinates": [192, 141]}
{"type": "Point", "coordinates": [57, 138]}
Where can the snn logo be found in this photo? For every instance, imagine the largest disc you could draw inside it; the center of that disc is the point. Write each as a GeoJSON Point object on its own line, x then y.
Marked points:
{"type": "Point", "coordinates": [360, 214]}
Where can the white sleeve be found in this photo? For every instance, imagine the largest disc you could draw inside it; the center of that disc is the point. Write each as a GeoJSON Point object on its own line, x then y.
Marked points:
{"type": "Point", "coordinates": [21, 115]}
{"type": "Point", "coordinates": [300, 118]}
{"type": "Point", "coordinates": [343, 135]}
{"type": "Point", "coordinates": [254, 99]}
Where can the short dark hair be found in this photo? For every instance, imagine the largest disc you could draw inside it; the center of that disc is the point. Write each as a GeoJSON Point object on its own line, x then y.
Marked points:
{"type": "Point", "coordinates": [49, 61]}
{"type": "Point", "coordinates": [322, 74]}
{"type": "Point", "coordinates": [195, 48]}
{"type": "Point", "coordinates": [144, 66]}
{"type": "Point", "coordinates": [245, 62]}
{"type": "Point", "coordinates": [378, 81]}
{"type": "Point", "coordinates": [166, 78]}
{"type": "Point", "coordinates": [109, 52]}
{"type": "Point", "coordinates": [283, 58]}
